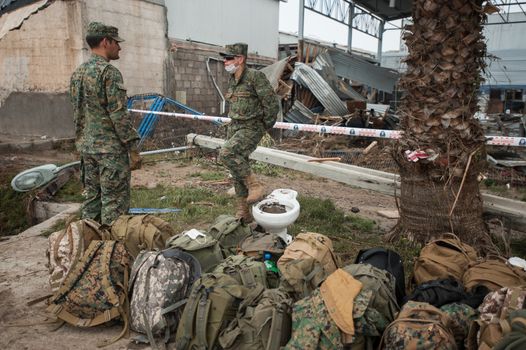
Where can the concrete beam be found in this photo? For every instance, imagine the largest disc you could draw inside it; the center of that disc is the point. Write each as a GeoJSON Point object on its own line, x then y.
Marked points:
{"type": "Point", "coordinates": [513, 212]}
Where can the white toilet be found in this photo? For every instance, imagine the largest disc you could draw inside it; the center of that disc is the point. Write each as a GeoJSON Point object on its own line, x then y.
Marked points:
{"type": "Point", "coordinates": [277, 222]}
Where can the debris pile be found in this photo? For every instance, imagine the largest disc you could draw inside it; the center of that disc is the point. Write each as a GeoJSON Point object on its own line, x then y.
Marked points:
{"type": "Point", "coordinates": [315, 91]}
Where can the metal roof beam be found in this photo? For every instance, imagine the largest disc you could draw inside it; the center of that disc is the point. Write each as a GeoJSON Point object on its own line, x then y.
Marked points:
{"type": "Point", "coordinates": [339, 10]}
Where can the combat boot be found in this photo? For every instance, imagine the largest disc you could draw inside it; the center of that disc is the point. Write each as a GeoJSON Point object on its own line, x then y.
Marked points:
{"type": "Point", "coordinates": [243, 211]}
{"type": "Point", "coordinates": [256, 191]}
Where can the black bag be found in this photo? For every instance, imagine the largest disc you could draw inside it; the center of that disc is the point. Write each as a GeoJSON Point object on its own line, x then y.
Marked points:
{"type": "Point", "coordinates": [386, 259]}
{"type": "Point", "coordinates": [439, 292]}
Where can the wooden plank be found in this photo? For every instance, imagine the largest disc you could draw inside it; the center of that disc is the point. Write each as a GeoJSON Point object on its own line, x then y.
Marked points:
{"type": "Point", "coordinates": [512, 211]}
{"type": "Point", "coordinates": [390, 214]}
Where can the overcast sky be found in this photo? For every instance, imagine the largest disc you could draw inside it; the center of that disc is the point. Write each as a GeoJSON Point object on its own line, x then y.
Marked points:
{"type": "Point", "coordinates": [323, 28]}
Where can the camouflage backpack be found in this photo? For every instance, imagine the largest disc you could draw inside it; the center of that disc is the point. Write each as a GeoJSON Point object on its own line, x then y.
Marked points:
{"type": "Point", "coordinates": [443, 258]}
{"type": "Point", "coordinates": [419, 326]}
{"type": "Point", "coordinates": [246, 270]}
{"type": "Point", "coordinates": [67, 246]}
{"type": "Point", "coordinates": [494, 273]}
{"type": "Point", "coordinates": [140, 232]}
{"type": "Point", "coordinates": [159, 283]}
{"type": "Point", "coordinates": [95, 290]}
{"type": "Point", "coordinates": [205, 249]}
{"type": "Point", "coordinates": [488, 329]}
{"type": "Point", "coordinates": [383, 287]}
{"type": "Point", "coordinates": [263, 322]}
{"type": "Point", "coordinates": [211, 305]}
{"type": "Point", "coordinates": [229, 231]}
{"type": "Point", "coordinates": [306, 262]}
{"type": "Point", "coordinates": [462, 316]}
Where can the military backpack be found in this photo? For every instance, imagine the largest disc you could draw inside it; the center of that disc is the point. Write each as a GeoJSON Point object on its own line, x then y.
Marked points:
{"type": "Point", "coordinates": [443, 258]}
{"type": "Point", "coordinates": [388, 260]}
{"type": "Point", "coordinates": [419, 326]}
{"type": "Point", "coordinates": [263, 322]}
{"type": "Point", "coordinates": [95, 290]}
{"type": "Point", "coordinates": [259, 243]}
{"type": "Point", "coordinates": [306, 262]}
{"type": "Point", "coordinates": [489, 328]}
{"type": "Point", "coordinates": [141, 232]}
{"type": "Point", "coordinates": [439, 292]}
{"type": "Point", "coordinates": [211, 306]}
{"type": "Point", "coordinates": [67, 246]}
{"type": "Point", "coordinates": [205, 248]}
{"type": "Point", "coordinates": [159, 284]}
{"type": "Point", "coordinates": [493, 273]}
{"type": "Point", "coordinates": [462, 317]}
{"type": "Point", "coordinates": [515, 335]}
{"type": "Point", "coordinates": [246, 270]}
{"type": "Point", "coordinates": [229, 232]}
{"type": "Point", "coordinates": [381, 283]}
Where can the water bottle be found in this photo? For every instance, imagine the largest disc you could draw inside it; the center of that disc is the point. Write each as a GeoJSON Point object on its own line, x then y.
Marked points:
{"type": "Point", "coordinates": [269, 264]}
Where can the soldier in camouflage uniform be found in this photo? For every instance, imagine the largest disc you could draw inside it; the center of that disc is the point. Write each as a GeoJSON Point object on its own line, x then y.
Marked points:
{"type": "Point", "coordinates": [105, 137]}
{"type": "Point", "coordinates": [253, 109]}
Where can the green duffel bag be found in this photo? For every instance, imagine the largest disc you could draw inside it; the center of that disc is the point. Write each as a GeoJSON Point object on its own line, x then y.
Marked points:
{"type": "Point", "coordinates": [229, 232]}
{"type": "Point", "coordinates": [204, 248]}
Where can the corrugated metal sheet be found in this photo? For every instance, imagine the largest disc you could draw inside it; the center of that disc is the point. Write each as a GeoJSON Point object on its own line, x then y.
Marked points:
{"type": "Point", "coordinates": [359, 70]}
{"type": "Point", "coordinates": [299, 114]}
{"type": "Point", "coordinates": [324, 65]}
{"type": "Point", "coordinates": [274, 72]}
{"type": "Point", "coordinates": [309, 78]}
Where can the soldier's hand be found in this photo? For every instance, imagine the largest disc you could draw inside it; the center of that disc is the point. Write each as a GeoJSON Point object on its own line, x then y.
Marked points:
{"type": "Point", "coordinates": [135, 160]}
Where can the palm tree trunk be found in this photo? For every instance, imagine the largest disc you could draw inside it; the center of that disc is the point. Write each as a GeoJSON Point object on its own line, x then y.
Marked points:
{"type": "Point", "coordinates": [446, 55]}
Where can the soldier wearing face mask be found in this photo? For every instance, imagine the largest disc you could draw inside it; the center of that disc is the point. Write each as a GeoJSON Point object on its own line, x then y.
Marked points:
{"type": "Point", "coordinates": [253, 109]}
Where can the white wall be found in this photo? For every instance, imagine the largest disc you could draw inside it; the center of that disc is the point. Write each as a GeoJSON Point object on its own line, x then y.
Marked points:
{"type": "Point", "coordinates": [221, 22]}
{"type": "Point", "coordinates": [142, 25]}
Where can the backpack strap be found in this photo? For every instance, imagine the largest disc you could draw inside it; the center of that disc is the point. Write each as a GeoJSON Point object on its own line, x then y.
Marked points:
{"type": "Point", "coordinates": [203, 309]}
{"type": "Point", "coordinates": [188, 322]}
{"type": "Point", "coordinates": [306, 279]}
{"type": "Point", "coordinates": [276, 329]}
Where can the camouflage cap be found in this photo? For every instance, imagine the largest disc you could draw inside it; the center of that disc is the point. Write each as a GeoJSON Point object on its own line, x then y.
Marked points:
{"type": "Point", "coordinates": [236, 49]}
{"type": "Point", "coordinates": [102, 30]}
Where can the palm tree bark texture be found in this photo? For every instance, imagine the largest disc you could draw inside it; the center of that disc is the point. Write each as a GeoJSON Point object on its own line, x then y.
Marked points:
{"type": "Point", "coordinates": [444, 65]}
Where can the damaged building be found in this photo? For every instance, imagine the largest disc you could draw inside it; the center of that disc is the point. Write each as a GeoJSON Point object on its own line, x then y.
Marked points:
{"type": "Point", "coordinates": [167, 51]}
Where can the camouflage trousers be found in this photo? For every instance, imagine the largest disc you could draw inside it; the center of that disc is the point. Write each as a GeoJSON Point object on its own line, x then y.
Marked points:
{"type": "Point", "coordinates": [242, 140]}
{"type": "Point", "coordinates": [106, 182]}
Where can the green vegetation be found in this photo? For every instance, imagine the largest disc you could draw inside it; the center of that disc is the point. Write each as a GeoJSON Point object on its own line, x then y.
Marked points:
{"type": "Point", "coordinates": [210, 175]}
{"type": "Point", "coordinates": [13, 217]}
{"type": "Point", "coordinates": [70, 192]}
{"type": "Point", "coordinates": [266, 169]}
{"type": "Point", "coordinates": [200, 206]}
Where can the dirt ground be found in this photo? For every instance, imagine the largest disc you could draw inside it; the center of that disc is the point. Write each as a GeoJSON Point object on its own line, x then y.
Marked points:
{"type": "Point", "coordinates": [23, 272]}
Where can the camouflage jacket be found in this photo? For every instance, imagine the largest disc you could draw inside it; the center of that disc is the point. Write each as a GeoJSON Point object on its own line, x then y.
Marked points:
{"type": "Point", "coordinates": [102, 122]}
{"type": "Point", "coordinates": [313, 327]}
{"type": "Point", "coordinates": [252, 98]}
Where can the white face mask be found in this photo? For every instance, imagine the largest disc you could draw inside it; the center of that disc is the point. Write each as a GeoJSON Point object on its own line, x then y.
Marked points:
{"type": "Point", "coordinates": [231, 68]}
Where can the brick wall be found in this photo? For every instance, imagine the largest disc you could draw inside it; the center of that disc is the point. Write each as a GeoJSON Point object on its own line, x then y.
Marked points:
{"type": "Point", "coordinates": [188, 79]}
